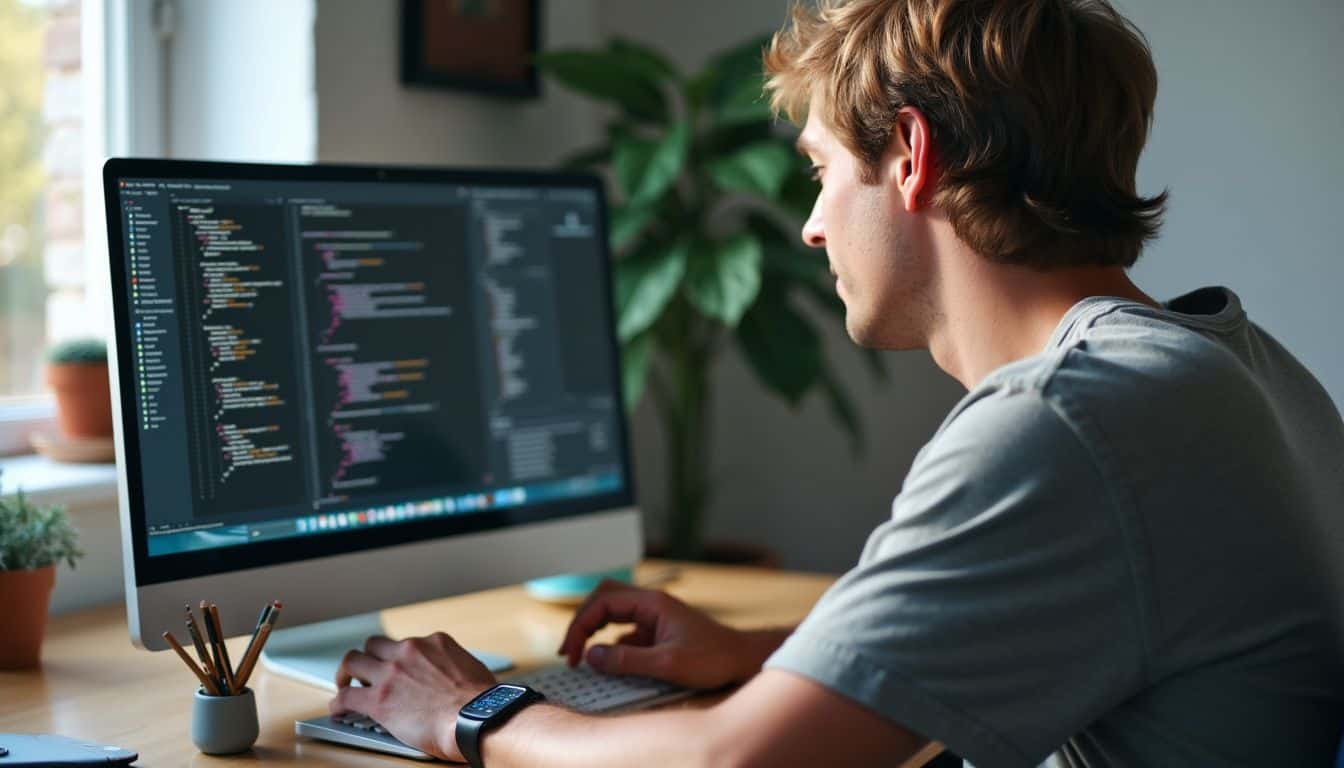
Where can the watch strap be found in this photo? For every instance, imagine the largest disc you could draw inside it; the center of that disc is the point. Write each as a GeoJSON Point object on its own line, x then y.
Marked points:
{"type": "Point", "coordinates": [469, 740]}
{"type": "Point", "coordinates": [469, 730]}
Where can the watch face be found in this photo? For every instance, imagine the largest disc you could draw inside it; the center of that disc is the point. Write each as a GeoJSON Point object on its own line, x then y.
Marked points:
{"type": "Point", "coordinates": [493, 701]}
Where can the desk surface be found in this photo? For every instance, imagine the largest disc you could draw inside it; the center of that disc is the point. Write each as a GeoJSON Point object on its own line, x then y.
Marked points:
{"type": "Point", "coordinates": [94, 685]}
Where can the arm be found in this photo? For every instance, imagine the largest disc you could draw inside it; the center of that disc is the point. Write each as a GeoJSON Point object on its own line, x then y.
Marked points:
{"type": "Point", "coordinates": [777, 719]}
{"type": "Point", "coordinates": [417, 686]}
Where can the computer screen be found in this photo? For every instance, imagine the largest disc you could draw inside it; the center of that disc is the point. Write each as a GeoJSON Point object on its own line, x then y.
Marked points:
{"type": "Point", "coordinates": [319, 360]}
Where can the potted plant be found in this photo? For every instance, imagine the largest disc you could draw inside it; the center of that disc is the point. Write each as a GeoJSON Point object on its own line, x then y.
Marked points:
{"type": "Point", "coordinates": [77, 375]}
{"type": "Point", "coordinates": [33, 540]}
{"type": "Point", "coordinates": [709, 198]}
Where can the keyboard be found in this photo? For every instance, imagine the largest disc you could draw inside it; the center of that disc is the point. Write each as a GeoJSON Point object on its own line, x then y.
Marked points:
{"type": "Point", "coordinates": [580, 689]}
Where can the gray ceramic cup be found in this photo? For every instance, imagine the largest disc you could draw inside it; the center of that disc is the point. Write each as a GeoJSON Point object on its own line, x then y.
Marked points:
{"type": "Point", "coordinates": [224, 725]}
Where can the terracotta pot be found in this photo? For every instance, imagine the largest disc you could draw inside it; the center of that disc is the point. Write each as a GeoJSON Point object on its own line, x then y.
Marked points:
{"type": "Point", "coordinates": [25, 596]}
{"type": "Point", "coordinates": [83, 398]}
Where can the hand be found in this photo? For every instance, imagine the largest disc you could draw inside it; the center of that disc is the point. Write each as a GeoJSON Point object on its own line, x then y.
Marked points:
{"type": "Point", "coordinates": [414, 688]}
{"type": "Point", "coordinates": [671, 641]}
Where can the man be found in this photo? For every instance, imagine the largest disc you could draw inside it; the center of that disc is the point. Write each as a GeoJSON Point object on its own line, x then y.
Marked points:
{"type": "Point", "coordinates": [1122, 547]}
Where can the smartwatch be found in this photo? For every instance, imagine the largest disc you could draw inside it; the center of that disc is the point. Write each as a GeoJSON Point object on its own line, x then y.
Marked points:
{"type": "Point", "coordinates": [487, 711]}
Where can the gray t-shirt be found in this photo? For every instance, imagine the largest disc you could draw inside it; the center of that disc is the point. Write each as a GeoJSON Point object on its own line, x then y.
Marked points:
{"type": "Point", "coordinates": [1122, 551]}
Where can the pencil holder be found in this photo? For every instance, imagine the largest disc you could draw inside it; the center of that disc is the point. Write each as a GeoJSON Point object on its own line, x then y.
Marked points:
{"type": "Point", "coordinates": [224, 725]}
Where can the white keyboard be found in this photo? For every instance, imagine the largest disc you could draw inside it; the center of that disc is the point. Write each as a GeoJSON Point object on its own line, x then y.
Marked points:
{"type": "Point", "coordinates": [580, 689]}
{"type": "Point", "coordinates": [584, 690]}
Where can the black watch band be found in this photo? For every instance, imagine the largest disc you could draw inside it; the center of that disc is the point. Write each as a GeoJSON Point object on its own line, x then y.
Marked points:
{"type": "Point", "coordinates": [486, 711]}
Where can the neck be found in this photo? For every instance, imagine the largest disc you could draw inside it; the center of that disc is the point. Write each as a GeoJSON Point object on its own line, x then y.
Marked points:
{"type": "Point", "coordinates": [992, 314]}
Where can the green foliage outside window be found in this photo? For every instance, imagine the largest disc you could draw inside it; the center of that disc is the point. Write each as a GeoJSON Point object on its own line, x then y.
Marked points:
{"type": "Point", "coordinates": [22, 285]}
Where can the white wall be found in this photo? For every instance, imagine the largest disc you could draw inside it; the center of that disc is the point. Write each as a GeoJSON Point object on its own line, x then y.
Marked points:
{"type": "Point", "coordinates": [366, 115]}
{"type": "Point", "coordinates": [1248, 132]}
{"type": "Point", "coordinates": [241, 81]}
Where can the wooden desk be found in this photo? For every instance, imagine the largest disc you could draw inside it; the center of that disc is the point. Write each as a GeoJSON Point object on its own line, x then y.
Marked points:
{"type": "Point", "coordinates": [94, 685]}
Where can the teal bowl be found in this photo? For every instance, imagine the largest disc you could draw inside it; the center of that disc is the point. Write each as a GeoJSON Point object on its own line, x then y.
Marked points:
{"type": "Point", "coordinates": [572, 588]}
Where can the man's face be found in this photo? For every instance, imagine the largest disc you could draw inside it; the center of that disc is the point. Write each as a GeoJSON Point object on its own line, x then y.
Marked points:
{"type": "Point", "coordinates": [874, 247]}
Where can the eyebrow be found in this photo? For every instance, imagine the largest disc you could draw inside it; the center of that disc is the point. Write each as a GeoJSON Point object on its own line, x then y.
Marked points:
{"type": "Point", "coordinates": [803, 145]}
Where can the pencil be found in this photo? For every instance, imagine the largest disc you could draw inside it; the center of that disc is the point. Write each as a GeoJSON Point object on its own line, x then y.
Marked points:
{"type": "Point", "coordinates": [199, 644]}
{"type": "Point", "coordinates": [195, 670]}
{"type": "Point", "coordinates": [212, 636]}
{"type": "Point", "coordinates": [253, 653]}
{"type": "Point", "coordinates": [223, 650]}
{"type": "Point", "coordinates": [252, 642]}
{"type": "Point", "coordinates": [271, 614]}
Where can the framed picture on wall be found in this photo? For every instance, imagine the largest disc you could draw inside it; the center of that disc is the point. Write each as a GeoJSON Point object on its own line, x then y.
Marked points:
{"type": "Point", "coordinates": [476, 45]}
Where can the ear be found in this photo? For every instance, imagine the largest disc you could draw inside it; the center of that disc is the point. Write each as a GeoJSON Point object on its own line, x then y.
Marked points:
{"type": "Point", "coordinates": [910, 159]}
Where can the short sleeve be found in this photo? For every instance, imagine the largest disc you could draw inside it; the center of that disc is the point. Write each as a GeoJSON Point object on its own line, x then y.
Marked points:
{"type": "Point", "coordinates": [996, 611]}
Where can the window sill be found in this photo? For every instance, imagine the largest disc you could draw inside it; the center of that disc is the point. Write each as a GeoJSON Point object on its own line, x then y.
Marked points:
{"type": "Point", "coordinates": [51, 482]}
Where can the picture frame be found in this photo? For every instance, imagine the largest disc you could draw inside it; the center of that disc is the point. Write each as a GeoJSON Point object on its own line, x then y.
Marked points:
{"type": "Point", "coordinates": [481, 46]}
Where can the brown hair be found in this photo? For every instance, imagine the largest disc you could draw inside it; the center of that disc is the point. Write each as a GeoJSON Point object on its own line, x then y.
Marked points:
{"type": "Point", "coordinates": [1038, 111]}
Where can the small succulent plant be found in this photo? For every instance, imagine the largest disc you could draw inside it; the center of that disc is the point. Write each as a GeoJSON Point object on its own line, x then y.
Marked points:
{"type": "Point", "coordinates": [78, 351]}
{"type": "Point", "coordinates": [33, 536]}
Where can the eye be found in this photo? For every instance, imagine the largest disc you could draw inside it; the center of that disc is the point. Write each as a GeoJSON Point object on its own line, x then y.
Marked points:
{"type": "Point", "coordinates": [815, 172]}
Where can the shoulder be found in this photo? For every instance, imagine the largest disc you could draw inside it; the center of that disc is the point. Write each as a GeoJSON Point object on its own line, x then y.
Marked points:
{"type": "Point", "coordinates": [1126, 373]}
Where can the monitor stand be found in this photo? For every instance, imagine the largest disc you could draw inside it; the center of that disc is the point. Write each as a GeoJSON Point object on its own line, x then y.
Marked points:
{"type": "Point", "coordinates": [312, 653]}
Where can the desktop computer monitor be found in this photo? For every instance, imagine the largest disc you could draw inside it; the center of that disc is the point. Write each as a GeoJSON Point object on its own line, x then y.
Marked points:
{"type": "Point", "coordinates": [351, 388]}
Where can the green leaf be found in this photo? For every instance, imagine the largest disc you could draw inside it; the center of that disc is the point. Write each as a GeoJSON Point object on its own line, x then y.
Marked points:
{"type": "Point", "coordinates": [599, 154]}
{"type": "Point", "coordinates": [627, 222]}
{"type": "Point", "coordinates": [635, 357]}
{"type": "Point", "coordinates": [826, 298]}
{"type": "Point", "coordinates": [718, 140]}
{"type": "Point", "coordinates": [842, 408]}
{"type": "Point", "coordinates": [697, 89]}
{"type": "Point", "coordinates": [605, 75]}
{"type": "Point", "coordinates": [799, 192]}
{"type": "Point", "coordinates": [645, 282]}
{"type": "Point", "coordinates": [723, 280]}
{"type": "Point", "coordinates": [646, 169]}
{"type": "Point", "coordinates": [744, 103]}
{"type": "Point", "coordinates": [737, 94]}
{"type": "Point", "coordinates": [646, 61]}
{"type": "Point", "coordinates": [759, 168]}
{"type": "Point", "coordinates": [785, 255]}
{"type": "Point", "coordinates": [780, 345]}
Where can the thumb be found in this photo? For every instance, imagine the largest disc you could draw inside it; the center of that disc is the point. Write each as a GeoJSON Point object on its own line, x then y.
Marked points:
{"type": "Point", "coordinates": [626, 660]}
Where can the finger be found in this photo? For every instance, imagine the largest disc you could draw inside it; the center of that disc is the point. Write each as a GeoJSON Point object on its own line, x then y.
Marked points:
{"type": "Point", "coordinates": [350, 699]}
{"type": "Point", "coordinates": [381, 647]}
{"type": "Point", "coordinates": [637, 636]}
{"type": "Point", "coordinates": [358, 665]}
{"type": "Point", "coordinates": [615, 606]}
{"type": "Point", "coordinates": [603, 587]}
{"type": "Point", "coordinates": [629, 660]}
{"type": "Point", "coordinates": [447, 642]}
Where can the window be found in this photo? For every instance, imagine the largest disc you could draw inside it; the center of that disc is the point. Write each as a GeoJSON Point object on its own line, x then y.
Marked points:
{"type": "Point", "coordinates": [23, 179]}
{"type": "Point", "coordinates": [51, 125]}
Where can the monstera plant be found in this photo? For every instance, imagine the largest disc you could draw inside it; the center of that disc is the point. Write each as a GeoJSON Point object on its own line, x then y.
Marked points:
{"type": "Point", "coordinates": [709, 196]}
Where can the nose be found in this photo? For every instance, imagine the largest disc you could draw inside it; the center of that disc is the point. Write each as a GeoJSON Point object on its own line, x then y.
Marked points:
{"type": "Point", "coordinates": [814, 234]}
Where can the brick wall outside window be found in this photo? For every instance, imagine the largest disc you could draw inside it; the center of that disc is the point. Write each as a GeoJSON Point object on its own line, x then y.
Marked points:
{"type": "Point", "coordinates": [63, 160]}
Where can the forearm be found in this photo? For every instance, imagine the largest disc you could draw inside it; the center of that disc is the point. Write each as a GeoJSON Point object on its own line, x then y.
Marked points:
{"type": "Point", "coordinates": [757, 645]}
{"type": "Point", "coordinates": [553, 736]}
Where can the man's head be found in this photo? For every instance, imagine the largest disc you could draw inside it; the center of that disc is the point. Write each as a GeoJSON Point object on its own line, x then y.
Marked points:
{"type": "Point", "coordinates": [1015, 125]}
